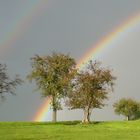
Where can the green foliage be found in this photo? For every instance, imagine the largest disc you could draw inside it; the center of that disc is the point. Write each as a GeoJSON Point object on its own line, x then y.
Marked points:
{"type": "Point", "coordinates": [70, 131]}
{"type": "Point", "coordinates": [52, 75]}
{"type": "Point", "coordinates": [127, 107]}
{"type": "Point", "coordinates": [90, 88]}
{"type": "Point", "coordinates": [7, 85]}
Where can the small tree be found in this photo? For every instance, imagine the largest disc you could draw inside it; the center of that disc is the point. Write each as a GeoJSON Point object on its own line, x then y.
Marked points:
{"type": "Point", "coordinates": [52, 75]}
{"type": "Point", "coordinates": [127, 107]}
{"type": "Point", "coordinates": [7, 85]}
{"type": "Point", "coordinates": [90, 89]}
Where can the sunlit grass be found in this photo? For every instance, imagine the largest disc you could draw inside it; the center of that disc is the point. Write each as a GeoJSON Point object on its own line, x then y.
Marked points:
{"type": "Point", "coordinates": [70, 131]}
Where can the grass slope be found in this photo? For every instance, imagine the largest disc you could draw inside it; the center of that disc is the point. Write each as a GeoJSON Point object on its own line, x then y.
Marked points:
{"type": "Point", "coordinates": [70, 131]}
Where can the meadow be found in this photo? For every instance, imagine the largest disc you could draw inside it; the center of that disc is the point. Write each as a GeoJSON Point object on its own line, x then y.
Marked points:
{"type": "Point", "coordinates": [70, 131]}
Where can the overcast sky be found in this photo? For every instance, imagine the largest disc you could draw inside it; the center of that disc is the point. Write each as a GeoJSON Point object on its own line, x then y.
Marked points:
{"type": "Point", "coordinates": [29, 27]}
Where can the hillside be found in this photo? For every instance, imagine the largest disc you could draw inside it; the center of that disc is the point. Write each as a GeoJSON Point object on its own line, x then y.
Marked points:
{"type": "Point", "coordinates": [70, 131]}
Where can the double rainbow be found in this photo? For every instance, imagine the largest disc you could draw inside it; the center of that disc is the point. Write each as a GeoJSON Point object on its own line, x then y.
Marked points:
{"type": "Point", "coordinates": [104, 43]}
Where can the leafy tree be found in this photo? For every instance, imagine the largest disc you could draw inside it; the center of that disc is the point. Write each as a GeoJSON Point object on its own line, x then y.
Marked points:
{"type": "Point", "coordinates": [52, 75]}
{"type": "Point", "coordinates": [90, 88]}
{"type": "Point", "coordinates": [136, 115]}
{"type": "Point", "coordinates": [127, 107]}
{"type": "Point", "coordinates": [7, 85]}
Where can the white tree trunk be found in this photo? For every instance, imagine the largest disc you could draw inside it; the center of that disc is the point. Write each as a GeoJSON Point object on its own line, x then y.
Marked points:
{"type": "Point", "coordinates": [87, 114]}
{"type": "Point", "coordinates": [127, 118]}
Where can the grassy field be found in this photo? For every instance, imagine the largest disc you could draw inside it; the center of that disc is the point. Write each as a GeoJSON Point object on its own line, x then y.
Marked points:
{"type": "Point", "coordinates": [70, 131]}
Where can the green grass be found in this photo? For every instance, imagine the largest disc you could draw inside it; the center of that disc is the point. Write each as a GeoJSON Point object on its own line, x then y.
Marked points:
{"type": "Point", "coordinates": [70, 131]}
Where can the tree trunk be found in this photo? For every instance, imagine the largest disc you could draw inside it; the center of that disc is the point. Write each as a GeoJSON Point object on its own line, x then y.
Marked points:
{"type": "Point", "coordinates": [87, 114]}
{"type": "Point", "coordinates": [127, 118]}
{"type": "Point", "coordinates": [54, 115]}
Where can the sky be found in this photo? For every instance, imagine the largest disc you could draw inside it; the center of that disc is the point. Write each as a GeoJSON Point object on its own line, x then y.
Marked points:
{"type": "Point", "coordinates": [30, 27]}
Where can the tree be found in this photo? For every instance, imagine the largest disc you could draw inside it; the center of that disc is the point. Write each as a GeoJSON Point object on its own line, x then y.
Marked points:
{"type": "Point", "coordinates": [127, 107]}
{"type": "Point", "coordinates": [7, 85]}
{"type": "Point", "coordinates": [52, 75]}
{"type": "Point", "coordinates": [90, 88]}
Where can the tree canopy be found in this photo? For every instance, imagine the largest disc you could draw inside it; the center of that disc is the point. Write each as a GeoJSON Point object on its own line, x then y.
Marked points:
{"type": "Point", "coordinates": [52, 74]}
{"type": "Point", "coordinates": [90, 88]}
{"type": "Point", "coordinates": [7, 85]}
{"type": "Point", "coordinates": [127, 107]}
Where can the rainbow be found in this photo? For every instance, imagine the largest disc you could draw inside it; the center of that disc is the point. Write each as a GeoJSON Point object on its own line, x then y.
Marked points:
{"type": "Point", "coordinates": [43, 111]}
{"type": "Point", "coordinates": [96, 50]}
{"type": "Point", "coordinates": [22, 24]}
{"type": "Point", "coordinates": [109, 40]}
{"type": "Point", "coordinates": [16, 32]}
